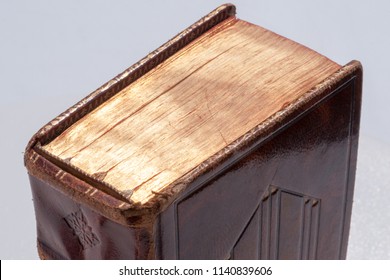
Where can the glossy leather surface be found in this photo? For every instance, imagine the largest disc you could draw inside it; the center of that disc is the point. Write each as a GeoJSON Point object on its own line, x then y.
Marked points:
{"type": "Point", "coordinates": [290, 198]}
{"type": "Point", "coordinates": [282, 190]}
{"type": "Point", "coordinates": [68, 230]}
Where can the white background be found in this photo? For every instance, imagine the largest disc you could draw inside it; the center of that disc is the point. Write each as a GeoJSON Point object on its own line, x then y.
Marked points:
{"type": "Point", "coordinates": [53, 53]}
{"type": "Point", "coordinates": [279, 270]}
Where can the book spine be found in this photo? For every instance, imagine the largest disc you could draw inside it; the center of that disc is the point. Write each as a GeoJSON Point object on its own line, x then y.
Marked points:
{"type": "Point", "coordinates": [70, 230]}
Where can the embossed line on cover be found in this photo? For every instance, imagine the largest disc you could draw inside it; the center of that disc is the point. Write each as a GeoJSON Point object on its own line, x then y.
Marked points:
{"type": "Point", "coordinates": [286, 224]}
{"type": "Point", "coordinates": [348, 168]}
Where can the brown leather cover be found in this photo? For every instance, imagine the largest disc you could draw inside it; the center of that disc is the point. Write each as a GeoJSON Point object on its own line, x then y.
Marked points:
{"type": "Point", "coordinates": [287, 183]}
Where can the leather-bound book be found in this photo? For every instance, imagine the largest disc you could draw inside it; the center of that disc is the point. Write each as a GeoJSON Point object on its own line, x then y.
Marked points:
{"type": "Point", "coordinates": [227, 142]}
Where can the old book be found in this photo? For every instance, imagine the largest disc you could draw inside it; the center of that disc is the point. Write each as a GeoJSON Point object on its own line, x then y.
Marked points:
{"type": "Point", "coordinates": [227, 142]}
